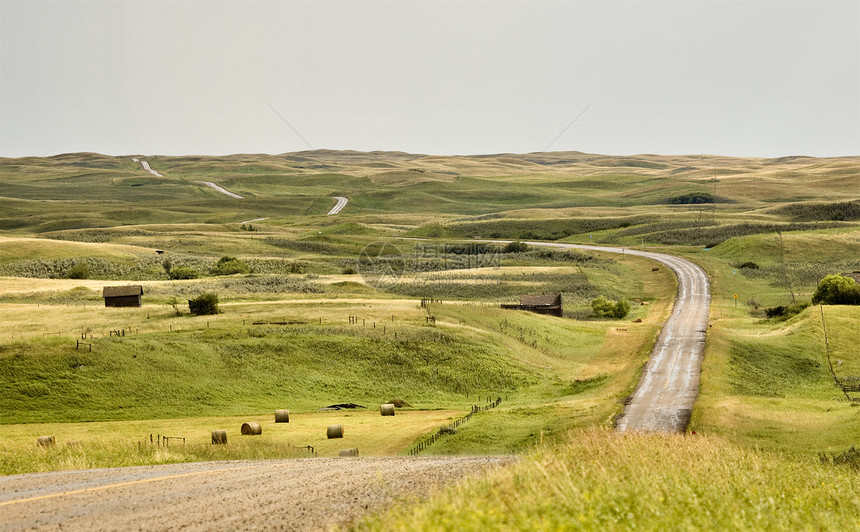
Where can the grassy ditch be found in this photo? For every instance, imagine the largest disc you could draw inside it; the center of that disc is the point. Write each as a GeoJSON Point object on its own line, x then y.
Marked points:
{"type": "Point", "coordinates": [608, 481]}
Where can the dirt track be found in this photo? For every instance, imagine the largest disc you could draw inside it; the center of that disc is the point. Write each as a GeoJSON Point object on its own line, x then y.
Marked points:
{"type": "Point", "coordinates": [303, 494]}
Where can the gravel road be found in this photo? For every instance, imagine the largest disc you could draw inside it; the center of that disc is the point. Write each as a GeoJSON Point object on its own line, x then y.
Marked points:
{"type": "Point", "coordinates": [300, 494]}
{"type": "Point", "coordinates": [341, 203]}
{"type": "Point", "coordinates": [147, 167]}
{"type": "Point", "coordinates": [221, 189]}
{"type": "Point", "coordinates": [665, 395]}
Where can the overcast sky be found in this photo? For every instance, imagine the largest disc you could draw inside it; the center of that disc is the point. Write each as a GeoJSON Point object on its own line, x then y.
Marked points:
{"type": "Point", "coordinates": [751, 78]}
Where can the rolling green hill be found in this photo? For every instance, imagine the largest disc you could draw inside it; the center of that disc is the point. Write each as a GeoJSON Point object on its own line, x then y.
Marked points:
{"type": "Point", "coordinates": [310, 325]}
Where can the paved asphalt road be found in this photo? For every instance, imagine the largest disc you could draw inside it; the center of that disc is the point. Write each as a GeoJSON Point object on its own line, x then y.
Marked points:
{"type": "Point", "coordinates": [670, 383]}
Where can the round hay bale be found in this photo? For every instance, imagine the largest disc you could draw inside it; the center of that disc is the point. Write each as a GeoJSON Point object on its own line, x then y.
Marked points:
{"type": "Point", "coordinates": [334, 431]}
{"type": "Point", "coordinates": [348, 452]}
{"type": "Point", "coordinates": [219, 436]}
{"type": "Point", "coordinates": [282, 416]}
{"type": "Point", "coordinates": [386, 409]}
{"type": "Point", "coordinates": [46, 441]}
{"type": "Point", "coordinates": [251, 428]}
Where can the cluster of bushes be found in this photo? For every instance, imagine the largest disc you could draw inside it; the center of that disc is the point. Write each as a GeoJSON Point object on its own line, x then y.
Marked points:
{"type": "Point", "coordinates": [83, 268]}
{"type": "Point", "coordinates": [515, 247]}
{"type": "Point", "coordinates": [253, 284]}
{"type": "Point", "coordinates": [656, 227]}
{"type": "Point", "coordinates": [694, 198]}
{"type": "Point", "coordinates": [146, 267]}
{"type": "Point", "coordinates": [447, 286]}
{"type": "Point", "coordinates": [553, 229]}
{"type": "Point", "coordinates": [604, 308]}
{"type": "Point", "coordinates": [182, 272]}
{"type": "Point", "coordinates": [204, 304]}
{"type": "Point", "coordinates": [80, 270]}
{"type": "Point", "coordinates": [807, 212]}
{"type": "Point", "coordinates": [96, 235]}
{"type": "Point", "coordinates": [714, 235]}
{"type": "Point", "coordinates": [837, 290]}
{"type": "Point", "coordinates": [569, 256]}
{"type": "Point", "coordinates": [784, 312]}
{"type": "Point", "coordinates": [229, 266]}
{"type": "Point", "coordinates": [832, 290]}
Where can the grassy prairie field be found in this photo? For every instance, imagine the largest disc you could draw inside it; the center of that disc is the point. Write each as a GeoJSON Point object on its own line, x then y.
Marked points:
{"type": "Point", "coordinates": [127, 443]}
{"type": "Point", "coordinates": [303, 353]}
{"type": "Point", "coordinates": [329, 312]}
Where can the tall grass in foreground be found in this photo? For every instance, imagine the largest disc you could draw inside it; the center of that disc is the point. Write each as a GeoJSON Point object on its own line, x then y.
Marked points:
{"type": "Point", "coordinates": [602, 480]}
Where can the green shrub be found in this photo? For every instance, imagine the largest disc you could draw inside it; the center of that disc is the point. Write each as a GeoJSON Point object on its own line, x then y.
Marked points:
{"type": "Point", "coordinates": [183, 272]}
{"type": "Point", "coordinates": [515, 247]}
{"type": "Point", "coordinates": [842, 211]}
{"type": "Point", "coordinates": [80, 270]}
{"type": "Point", "coordinates": [622, 309]}
{"type": "Point", "coordinates": [749, 265]}
{"type": "Point", "coordinates": [230, 266]}
{"type": "Point", "coordinates": [204, 304]}
{"type": "Point", "coordinates": [693, 198]}
{"type": "Point", "coordinates": [604, 308]}
{"type": "Point", "coordinates": [837, 290]}
{"type": "Point", "coordinates": [784, 312]}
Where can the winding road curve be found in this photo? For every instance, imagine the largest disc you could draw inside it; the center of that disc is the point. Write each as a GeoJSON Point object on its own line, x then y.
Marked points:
{"type": "Point", "coordinates": [341, 203]}
{"type": "Point", "coordinates": [221, 189]}
{"type": "Point", "coordinates": [210, 184]}
{"type": "Point", "coordinates": [147, 167]}
{"type": "Point", "coordinates": [664, 398]}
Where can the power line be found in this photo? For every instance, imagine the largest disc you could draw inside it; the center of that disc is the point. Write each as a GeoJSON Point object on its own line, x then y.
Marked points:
{"type": "Point", "coordinates": [284, 120]}
{"type": "Point", "coordinates": [568, 127]}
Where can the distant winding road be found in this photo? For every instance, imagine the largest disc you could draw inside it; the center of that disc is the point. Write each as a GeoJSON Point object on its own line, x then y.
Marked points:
{"type": "Point", "coordinates": [210, 184]}
{"type": "Point", "coordinates": [664, 398]}
{"type": "Point", "coordinates": [341, 203]}
{"type": "Point", "coordinates": [147, 167]}
{"type": "Point", "coordinates": [221, 189]}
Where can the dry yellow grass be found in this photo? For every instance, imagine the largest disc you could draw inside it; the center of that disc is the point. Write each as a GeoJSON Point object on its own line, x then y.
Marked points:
{"type": "Point", "coordinates": [15, 248]}
{"type": "Point", "coordinates": [371, 433]}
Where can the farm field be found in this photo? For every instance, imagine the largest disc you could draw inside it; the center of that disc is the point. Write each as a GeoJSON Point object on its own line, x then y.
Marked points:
{"type": "Point", "coordinates": [328, 309]}
{"type": "Point", "coordinates": [127, 443]}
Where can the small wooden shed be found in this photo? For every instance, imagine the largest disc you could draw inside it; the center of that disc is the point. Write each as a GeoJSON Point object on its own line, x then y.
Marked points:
{"type": "Point", "coordinates": [542, 304]}
{"type": "Point", "coordinates": [123, 296]}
